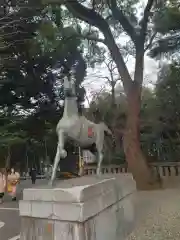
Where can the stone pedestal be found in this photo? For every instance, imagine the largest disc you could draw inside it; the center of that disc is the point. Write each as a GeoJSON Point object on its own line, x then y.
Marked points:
{"type": "Point", "coordinates": [86, 208]}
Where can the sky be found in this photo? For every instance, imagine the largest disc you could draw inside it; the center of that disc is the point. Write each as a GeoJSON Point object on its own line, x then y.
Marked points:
{"type": "Point", "coordinates": [94, 81]}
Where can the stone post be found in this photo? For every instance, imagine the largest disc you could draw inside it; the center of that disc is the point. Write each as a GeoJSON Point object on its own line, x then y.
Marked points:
{"type": "Point", "coordinates": [86, 208]}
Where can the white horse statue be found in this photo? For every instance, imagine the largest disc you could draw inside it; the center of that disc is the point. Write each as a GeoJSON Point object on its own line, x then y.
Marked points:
{"type": "Point", "coordinates": [85, 133]}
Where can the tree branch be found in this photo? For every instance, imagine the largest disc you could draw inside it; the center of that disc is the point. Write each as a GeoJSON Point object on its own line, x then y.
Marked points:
{"type": "Point", "coordinates": [90, 38]}
{"type": "Point", "coordinates": [110, 66]}
{"type": "Point", "coordinates": [150, 41]}
{"type": "Point", "coordinates": [145, 19]}
{"type": "Point", "coordinates": [119, 16]}
{"type": "Point", "coordinates": [85, 14]}
{"type": "Point", "coordinates": [139, 64]}
{"type": "Point", "coordinates": [94, 19]}
{"type": "Point", "coordinates": [107, 78]}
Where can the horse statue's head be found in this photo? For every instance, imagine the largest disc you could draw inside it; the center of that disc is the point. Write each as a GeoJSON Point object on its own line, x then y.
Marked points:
{"type": "Point", "coordinates": [69, 87]}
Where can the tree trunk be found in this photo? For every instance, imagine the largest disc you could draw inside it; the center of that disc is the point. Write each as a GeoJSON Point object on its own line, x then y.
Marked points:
{"type": "Point", "coordinates": [144, 177]}
{"type": "Point", "coordinates": [137, 164]}
{"type": "Point", "coordinates": [113, 98]}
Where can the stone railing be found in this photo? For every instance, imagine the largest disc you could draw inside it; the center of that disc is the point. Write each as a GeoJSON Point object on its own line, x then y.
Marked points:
{"type": "Point", "coordinates": [114, 169]}
{"type": "Point", "coordinates": [164, 169]}
{"type": "Point", "coordinates": [169, 169]}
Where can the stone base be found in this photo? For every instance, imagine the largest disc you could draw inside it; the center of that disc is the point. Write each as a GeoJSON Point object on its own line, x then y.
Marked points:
{"type": "Point", "coordinates": [86, 208]}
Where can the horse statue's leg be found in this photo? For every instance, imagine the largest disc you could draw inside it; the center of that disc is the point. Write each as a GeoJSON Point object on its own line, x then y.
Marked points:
{"type": "Point", "coordinates": [60, 153]}
{"type": "Point", "coordinates": [99, 146]}
{"type": "Point", "coordinates": [100, 159]}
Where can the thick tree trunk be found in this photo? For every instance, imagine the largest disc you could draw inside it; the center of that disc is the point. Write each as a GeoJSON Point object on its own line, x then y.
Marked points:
{"type": "Point", "coordinates": [137, 164]}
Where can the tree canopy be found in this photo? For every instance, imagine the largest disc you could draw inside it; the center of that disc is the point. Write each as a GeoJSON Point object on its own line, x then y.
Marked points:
{"type": "Point", "coordinates": [34, 60]}
{"type": "Point", "coordinates": [167, 26]}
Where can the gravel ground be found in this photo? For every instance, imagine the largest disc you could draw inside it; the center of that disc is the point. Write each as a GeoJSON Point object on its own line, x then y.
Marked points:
{"type": "Point", "coordinates": [162, 222]}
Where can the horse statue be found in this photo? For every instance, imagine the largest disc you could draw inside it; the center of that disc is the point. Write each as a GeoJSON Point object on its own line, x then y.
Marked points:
{"type": "Point", "coordinates": [88, 135]}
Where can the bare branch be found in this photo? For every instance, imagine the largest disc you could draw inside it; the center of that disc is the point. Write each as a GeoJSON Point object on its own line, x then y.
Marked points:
{"type": "Point", "coordinates": [119, 16]}
{"type": "Point", "coordinates": [145, 19]}
{"type": "Point", "coordinates": [138, 74]}
{"type": "Point", "coordinates": [110, 66]}
{"type": "Point", "coordinates": [107, 78]}
{"type": "Point", "coordinates": [150, 41]}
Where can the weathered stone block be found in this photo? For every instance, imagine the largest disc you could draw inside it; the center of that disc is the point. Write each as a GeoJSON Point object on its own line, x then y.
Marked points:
{"type": "Point", "coordinates": [87, 208]}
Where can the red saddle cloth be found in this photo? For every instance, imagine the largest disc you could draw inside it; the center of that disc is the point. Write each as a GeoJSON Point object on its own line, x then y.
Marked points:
{"type": "Point", "coordinates": [90, 132]}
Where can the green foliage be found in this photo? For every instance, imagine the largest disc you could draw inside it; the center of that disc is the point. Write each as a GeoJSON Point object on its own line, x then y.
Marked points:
{"type": "Point", "coordinates": [168, 20]}
{"type": "Point", "coordinates": [167, 24]}
{"type": "Point", "coordinates": [161, 117]}
{"type": "Point", "coordinates": [29, 92]}
{"type": "Point", "coordinates": [47, 30]}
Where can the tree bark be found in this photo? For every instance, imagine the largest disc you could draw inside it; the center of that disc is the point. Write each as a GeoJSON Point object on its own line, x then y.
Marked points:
{"type": "Point", "coordinates": [113, 98]}
{"type": "Point", "coordinates": [137, 164]}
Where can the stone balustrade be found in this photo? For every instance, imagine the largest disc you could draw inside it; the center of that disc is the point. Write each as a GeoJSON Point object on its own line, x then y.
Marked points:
{"type": "Point", "coordinates": [168, 169]}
